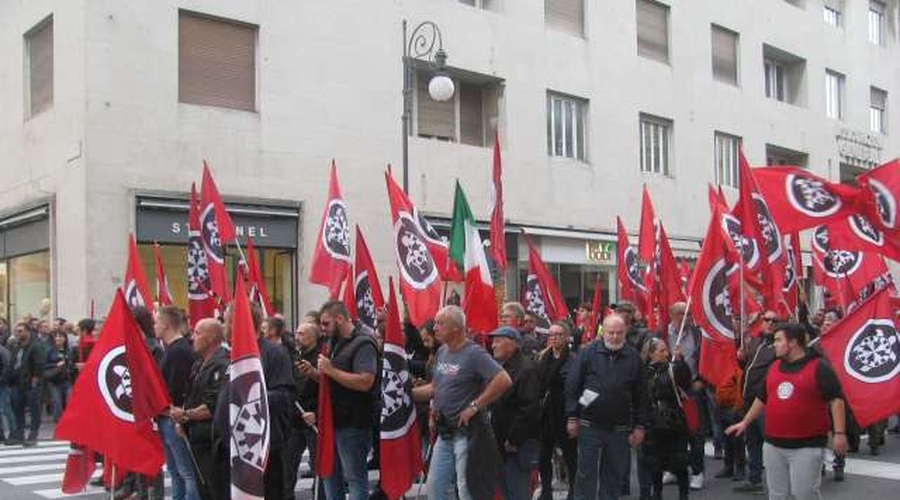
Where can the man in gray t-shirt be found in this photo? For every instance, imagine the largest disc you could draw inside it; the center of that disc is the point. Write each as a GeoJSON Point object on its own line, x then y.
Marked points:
{"type": "Point", "coordinates": [466, 379]}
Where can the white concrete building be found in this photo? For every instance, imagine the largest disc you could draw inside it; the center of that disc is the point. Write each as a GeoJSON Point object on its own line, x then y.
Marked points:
{"type": "Point", "coordinates": [108, 107]}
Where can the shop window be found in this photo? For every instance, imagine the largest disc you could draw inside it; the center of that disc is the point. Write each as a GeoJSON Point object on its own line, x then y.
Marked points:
{"type": "Point", "coordinates": [29, 285]}
{"type": "Point", "coordinates": [4, 291]}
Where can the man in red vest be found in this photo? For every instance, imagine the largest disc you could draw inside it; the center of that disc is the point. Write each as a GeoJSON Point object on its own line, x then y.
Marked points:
{"type": "Point", "coordinates": [800, 391]}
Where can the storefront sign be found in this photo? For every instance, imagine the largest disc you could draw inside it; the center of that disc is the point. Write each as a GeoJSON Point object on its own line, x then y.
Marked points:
{"type": "Point", "coordinates": [601, 252]}
{"type": "Point", "coordinates": [861, 149]}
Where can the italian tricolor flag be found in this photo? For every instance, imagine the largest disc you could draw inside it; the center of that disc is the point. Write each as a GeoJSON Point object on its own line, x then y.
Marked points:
{"type": "Point", "coordinates": [467, 251]}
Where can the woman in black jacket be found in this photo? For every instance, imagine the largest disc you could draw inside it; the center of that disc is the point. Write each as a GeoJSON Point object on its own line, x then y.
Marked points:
{"type": "Point", "coordinates": [553, 366]}
{"type": "Point", "coordinates": [665, 447]}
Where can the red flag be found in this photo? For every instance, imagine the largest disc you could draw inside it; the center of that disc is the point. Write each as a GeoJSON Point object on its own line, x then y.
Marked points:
{"type": "Point", "coordinates": [80, 468]}
{"type": "Point", "coordinates": [670, 288]}
{"type": "Point", "coordinates": [324, 460]}
{"type": "Point", "coordinates": [799, 199]}
{"type": "Point", "coordinates": [864, 350]}
{"type": "Point", "coordinates": [216, 230]}
{"type": "Point", "coordinates": [859, 232]}
{"type": "Point", "coordinates": [331, 258]}
{"type": "Point", "coordinates": [718, 360]}
{"type": "Point", "coordinates": [845, 273]}
{"type": "Point", "coordinates": [685, 273]}
{"type": "Point", "coordinates": [420, 274]}
{"type": "Point", "coordinates": [249, 405]}
{"type": "Point", "coordinates": [881, 191]}
{"type": "Point", "coordinates": [400, 445]}
{"type": "Point", "coordinates": [542, 297]}
{"type": "Point", "coordinates": [135, 283]}
{"type": "Point", "coordinates": [647, 237]}
{"type": "Point", "coordinates": [367, 290]}
{"type": "Point", "coordinates": [110, 410]}
{"type": "Point", "coordinates": [631, 282]}
{"type": "Point", "coordinates": [256, 281]}
{"type": "Point", "coordinates": [498, 232]}
{"type": "Point", "coordinates": [792, 269]}
{"type": "Point", "coordinates": [349, 298]}
{"type": "Point", "coordinates": [210, 194]}
{"type": "Point", "coordinates": [201, 303]}
{"type": "Point", "coordinates": [595, 306]}
{"type": "Point", "coordinates": [163, 294]}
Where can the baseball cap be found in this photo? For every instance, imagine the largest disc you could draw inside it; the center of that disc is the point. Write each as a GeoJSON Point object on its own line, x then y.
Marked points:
{"type": "Point", "coordinates": [508, 332]}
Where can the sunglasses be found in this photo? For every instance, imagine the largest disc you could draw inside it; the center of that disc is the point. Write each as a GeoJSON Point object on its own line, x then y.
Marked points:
{"type": "Point", "coordinates": [770, 320]}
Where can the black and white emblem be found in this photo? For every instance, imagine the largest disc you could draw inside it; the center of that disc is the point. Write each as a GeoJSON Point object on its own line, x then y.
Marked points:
{"type": "Point", "coordinates": [114, 381]}
{"type": "Point", "coordinates": [873, 353]}
{"type": "Point", "coordinates": [365, 303]}
{"type": "Point", "coordinates": [821, 240]}
{"type": "Point", "coordinates": [865, 230]}
{"type": "Point", "coordinates": [209, 229]}
{"type": "Point", "coordinates": [747, 246]}
{"type": "Point", "coordinates": [790, 274]}
{"type": "Point", "coordinates": [428, 230]}
{"type": "Point", "coordinates": [336, 231]}
{"type": "Point", "coordinates": [633, 268]}
{"type": "Point", "coordinates": [768, 229]}
{"type": "Point", "coordinates": [416, 264]}
{"type": "Point", "coordinates": [198, 269]}
{"type": "Point", "coordinates": [716, 299]}
{"type": "Point", "coordinates": [811, 196]}
{"type": "Point", "coordinates": [535, 302]}
{"type": "Point", "coordinates": [841, 263]}
{"type": "Point", "coordinates": [885, 204]}
{"type": "Point", "coordinates": [397, 410]}
{"type": "Point", "coordinates": [249, 414]}
{"type": "Point", "coordinates": [133, 295]}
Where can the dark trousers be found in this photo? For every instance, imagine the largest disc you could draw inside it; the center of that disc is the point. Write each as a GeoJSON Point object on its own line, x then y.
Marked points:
{"type": "Point", "coordinates": [30, 398]}
{"type": "Point", "coordinates": [302, 439]}
{"type": "Point", "coordinates": [570, 458]}
{"type": "Point", "coordinates": [664, 452]}
{"type": "Point", "coordinates": [273, 479]}
{"type": "Point", "coordinates": [734, 457]}
{"type": "Point", "coordinates": [220, 486]}
{"type": "Point", "coordinates": [754, 441]}
{"type": "Point", "coordinates": [609, 447]}
{"type": "Point", "coordinates": [203, 454]}
{"type": "Point", "coordinates": [697, 442]}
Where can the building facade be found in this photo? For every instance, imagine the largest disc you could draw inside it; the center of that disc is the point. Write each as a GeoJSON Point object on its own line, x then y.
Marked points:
{"type": "Point", "coordinates": [110, 107]}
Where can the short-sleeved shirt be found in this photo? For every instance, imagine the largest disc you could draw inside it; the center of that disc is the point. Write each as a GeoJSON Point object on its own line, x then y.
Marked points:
{"type": "Point", "coordinates": [460, 376]}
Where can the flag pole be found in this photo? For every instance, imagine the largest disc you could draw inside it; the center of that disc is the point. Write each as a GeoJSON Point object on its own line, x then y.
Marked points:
{"type": "Point", "coordinates": [687, 309]}
{"type": "Point", "coordinates": [112, 484]}
{"type": "Point", "coordinates": [741, 294]}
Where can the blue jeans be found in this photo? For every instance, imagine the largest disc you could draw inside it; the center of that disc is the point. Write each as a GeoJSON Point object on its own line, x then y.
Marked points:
{"type": "Point", "coordinates": [448, 467]}
{"type": "Point", "coordinates": [59, 395]}
{"type": "Point", "coordinates": [178, 462]}
{"type": "Point", "coordinates": [516, 469]}
{"type": "Point", "coordinates": [352, 446]}
{"type": "Point", "coordinates": [608, 447]}
{"type": "Point", "coordinates": [754, 450]}
{"type": "Point", "coordinates": [6, 411]}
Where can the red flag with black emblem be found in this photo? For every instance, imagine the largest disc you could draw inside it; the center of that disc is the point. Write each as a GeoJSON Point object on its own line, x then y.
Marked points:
{"type": "Point", "coordinates": [647, 242]}
{"type": "Point", "coordinates": [420, 274]}
{"type": "Point", "coordinates": [864, 350]}
{"type": "Point", "coordinates": [791, 272]}
{"type": "Point", "coordinates": [349, 297]}
{"type": "Point", "coordinates": [630, 275]}
{"type": "Point", "coordinates": [110, 410]}
{"type": "Point", "coordinates": [331, 258]}
{"type": "Point", "coordinates": [880, 190]}
{"type": "Point", "coordinates": [542, 297]}
{"type": "Point", "coordinates": [256, 282]}
{"type": "Point", "coordinates": [201, 302]}
{"type": "Point", "coordinates": [216, 231]}
{"type": "Point", "coordinates": [498, 232]}
{"type": "Point", "coordinates": [135, 282]}
{"type": "Point", "coordinates": [400, 444]}
{"type": "Point", "coordinates": [799, 199]}
{"type": "Point", "coordinates": [163, 293]}
{"type": "Point", "coordinates": [367, 289]}
{"type": "Point", "coordinates": [670, 288]}
{"type": "Point", "coordinates": [80, 466]}
{"type": "Point", "coordinates": [845, 273]}
{"type": "Point", "coordinates": [859, 232]}
{"type": "Point", "coordinates": [248, 405]}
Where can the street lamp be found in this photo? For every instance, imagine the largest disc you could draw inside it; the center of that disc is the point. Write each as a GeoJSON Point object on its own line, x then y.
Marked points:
{"type": "Point", "coordinates": [423, 44]}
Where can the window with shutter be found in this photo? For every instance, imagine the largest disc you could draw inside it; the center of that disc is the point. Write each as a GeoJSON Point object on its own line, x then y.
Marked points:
{"type": "Point", "coordinates": [216, 62]}
{"type": "Point", "coordinates": [565, 15]}
{"type": "Point", "coordinates": [471, 115]}
{"type": "Point", "coordinates": [876, 22]}
{"type": "Point", "coordinates": [724, 55]}
{"type": "Point", "coordinates": [39, 50]}
{"type": "Point", "coordinates": [877, 110]}
{"type": "Point", "coordinates": [435, 119]}
{"type": "Point", "coordinates": [653, 30]}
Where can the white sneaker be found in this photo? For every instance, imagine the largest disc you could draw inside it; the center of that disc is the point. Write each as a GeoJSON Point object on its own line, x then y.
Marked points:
{"type": "Point", "coordinates": [697, 482]}
{"type": "Point", "coordinates": [669, 478]}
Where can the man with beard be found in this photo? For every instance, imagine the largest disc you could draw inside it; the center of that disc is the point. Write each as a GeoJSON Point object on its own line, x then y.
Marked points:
{"type": "Point", "coordinates": [195, 417]}
{"type": "Point", "coordinates": [635, 334]}
{"type": "Point", "coordinates": [28, 360]}
{"type": "Point", "coordinates": [800, 391]}
{"type": "Point", "coordinates": [350, 370]}
{"type": "Point", "coordinates": [605, 410]}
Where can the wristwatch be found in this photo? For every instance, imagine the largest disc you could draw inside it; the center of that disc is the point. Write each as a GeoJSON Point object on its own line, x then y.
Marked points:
{"type": "Point", "coordinates": [473, 405]}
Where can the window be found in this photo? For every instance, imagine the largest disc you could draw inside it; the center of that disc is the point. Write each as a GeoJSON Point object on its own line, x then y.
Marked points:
{"type": "Point", "coordinates": [834, 94]}
{"type": "Point", "coordinates": [469, 117]}
{"type": "Point", "coordinates": [565, 15]}
{"type": "Point", "coordinates": [876, 22]}
{"type": "Point", "coordinates": [216, 62]}
{"type": "Point", "coordinates": [39, 69]}
{"type": "Point", "coordinates": [877, 110]}
{"type": "Point", "coordinates": [784, 76]}
{"type": "Point", "coordinates": [727, 148]}
{"type": "Point", "coordinates": [653, 30]}
{"type": "Point", "coordinates": [724, 55]}
{"type": "Point", "coordinates": [656, 144]}
{"type": "Point", "coordinates": [481, 4]}
{"type": "Point", "coordinates": [777, 155]}
{"type": "Point", "coordinates": [567, 126]}
{"type": "Point", "coordinates": [796, 3]}
{"type": "Point", "coordinates": [831, 10]}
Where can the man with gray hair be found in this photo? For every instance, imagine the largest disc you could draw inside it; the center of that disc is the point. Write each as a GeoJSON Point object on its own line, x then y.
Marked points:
{"type": "Point", "coordinates": [513, 314]}
{"type": "Point", "coordinates": [466, 381]}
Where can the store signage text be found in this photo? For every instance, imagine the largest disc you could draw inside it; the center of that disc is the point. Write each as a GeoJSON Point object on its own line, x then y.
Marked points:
{"type": "Point", "coordinates": [860, 148]}
{"type": "Point", "coordinates": [599, 251]}
{"type": "Point", "coordinates": [260, 232]}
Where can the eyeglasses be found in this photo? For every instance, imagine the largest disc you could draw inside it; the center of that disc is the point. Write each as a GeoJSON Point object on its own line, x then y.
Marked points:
{"type": "Point", "coordinates": [770, 320]}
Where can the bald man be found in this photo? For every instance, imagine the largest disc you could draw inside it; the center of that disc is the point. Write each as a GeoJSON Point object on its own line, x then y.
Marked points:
{"type": "Point", "coordinates": [605, 410]}
{"type": "Point", "coordinates": [195, 419]}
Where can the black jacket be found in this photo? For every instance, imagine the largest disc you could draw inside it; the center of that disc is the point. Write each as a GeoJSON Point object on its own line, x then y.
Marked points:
{"type": "Point", "coordinates": [516, 416]}
{"type": "Point", "coordinates": [307, 388]}
{"type": "Point", "coordinates": [553, 372]}
{"type": "Point", "coordinates": [664, 413]}
{"type": "Point", "coordinates": [28, 362]}
{"type": "Point", "coordinates": [756, 367]}
{"type": "Point", "coordinates": [615, 378]}
{"type": "Point", "coordinates": [206, 379]}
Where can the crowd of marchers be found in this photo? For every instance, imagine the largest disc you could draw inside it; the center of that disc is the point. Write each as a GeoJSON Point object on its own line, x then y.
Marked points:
{"type": "Point", "coordinates": [515, 413]}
